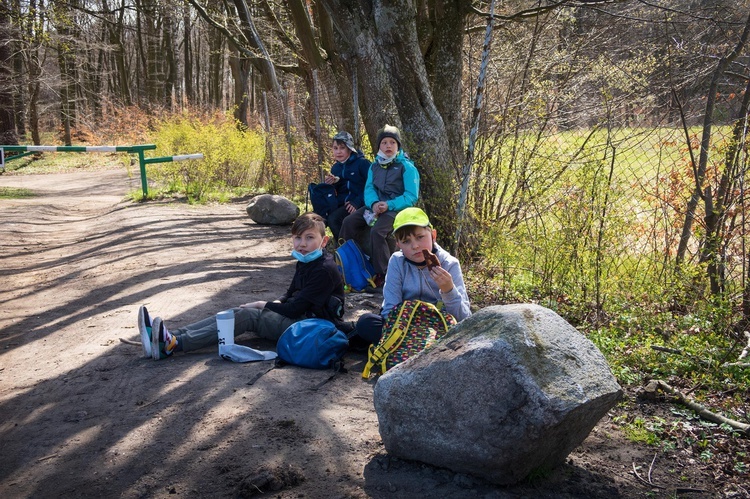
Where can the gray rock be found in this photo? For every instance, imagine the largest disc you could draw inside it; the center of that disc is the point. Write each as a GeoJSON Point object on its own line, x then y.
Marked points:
{"type": "Point", "coordinates": [271, 209]}
{"type": "Point", "coordinates": [511, 391]}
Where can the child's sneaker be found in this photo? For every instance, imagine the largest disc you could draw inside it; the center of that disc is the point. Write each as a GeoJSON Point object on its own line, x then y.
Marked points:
{"type": "Point", "coordinates": [144, 327]}
{"type": "Point", "coordinates": [163, 344]}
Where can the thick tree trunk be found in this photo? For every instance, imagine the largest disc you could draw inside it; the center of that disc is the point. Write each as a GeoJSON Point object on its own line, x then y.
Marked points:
{"type": "Point", "coordinates": [395, 89]}
{"type": "Point", "coordinates": [340, 94]}
{"type": "Point", "coordinates": [444, 64]}
{"type": "Point", "coordinates": [240, 67]}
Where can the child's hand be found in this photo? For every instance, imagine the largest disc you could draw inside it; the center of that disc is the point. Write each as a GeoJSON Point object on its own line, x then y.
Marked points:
{"type": "Point", "coordinates": [331, 179]}
{"type": "Point", "coordinates": [443, 279]}
{"type": "Point", "coordinates": [380, 207]}
{"type": "Point", "coordinates": [350, 208]}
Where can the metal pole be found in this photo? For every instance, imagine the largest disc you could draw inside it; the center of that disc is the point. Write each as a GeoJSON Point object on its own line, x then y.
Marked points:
{"type": "Point", "coordinates": [142, 164]}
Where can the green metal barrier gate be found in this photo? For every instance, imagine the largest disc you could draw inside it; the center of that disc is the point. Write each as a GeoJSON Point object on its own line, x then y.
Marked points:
{"type": "Point", "coordinates": [138, 149]}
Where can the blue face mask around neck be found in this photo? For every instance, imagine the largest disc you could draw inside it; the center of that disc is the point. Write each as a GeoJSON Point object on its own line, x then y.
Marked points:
{"type": "Point", "coordinates": [313, 255]}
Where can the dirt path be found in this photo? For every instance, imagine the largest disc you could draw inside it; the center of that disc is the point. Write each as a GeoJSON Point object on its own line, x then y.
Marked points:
{"type": "Point", "coordinates": [83, 415]}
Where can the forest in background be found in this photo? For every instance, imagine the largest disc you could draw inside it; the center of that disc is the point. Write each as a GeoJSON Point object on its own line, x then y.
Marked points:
{"type": "Point", "coordinates": [595, 150]}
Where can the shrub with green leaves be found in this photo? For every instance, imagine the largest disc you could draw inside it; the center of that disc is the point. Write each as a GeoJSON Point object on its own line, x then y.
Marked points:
{"type": "Point", "coordinates": [232, 158]}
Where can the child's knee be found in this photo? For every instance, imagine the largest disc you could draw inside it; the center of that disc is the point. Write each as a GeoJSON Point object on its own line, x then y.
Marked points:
{"type": "Point", "coordinates": [370, 327]}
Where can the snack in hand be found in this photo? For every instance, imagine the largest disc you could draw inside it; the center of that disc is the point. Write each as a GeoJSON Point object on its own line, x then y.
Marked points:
{"type": "Point", "coordinates": [430, 259]}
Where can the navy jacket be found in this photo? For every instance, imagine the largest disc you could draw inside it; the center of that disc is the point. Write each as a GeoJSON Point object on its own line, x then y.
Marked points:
{"type": "Point", "coordinates": [352, 178]}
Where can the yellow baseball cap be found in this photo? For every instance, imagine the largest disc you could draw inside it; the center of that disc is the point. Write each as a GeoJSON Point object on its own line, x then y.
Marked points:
{"type": "Point", "coordinates": [411, 216]}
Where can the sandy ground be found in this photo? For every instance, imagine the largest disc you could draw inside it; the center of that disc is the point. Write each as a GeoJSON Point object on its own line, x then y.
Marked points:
{"type": "Point", "coordinates": [82, 414]}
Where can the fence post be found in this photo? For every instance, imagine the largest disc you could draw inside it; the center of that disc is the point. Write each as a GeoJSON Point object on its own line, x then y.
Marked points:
{"type": "Point", "coordinates": [142, 160]}
{"type": "Point", "coordinates": [142, 166]}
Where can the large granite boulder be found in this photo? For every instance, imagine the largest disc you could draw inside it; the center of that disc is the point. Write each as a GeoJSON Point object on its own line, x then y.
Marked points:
{"type": "Point", "coordinates": [271, 209]}
{"type": "Point", "coordinates": [512, 390]}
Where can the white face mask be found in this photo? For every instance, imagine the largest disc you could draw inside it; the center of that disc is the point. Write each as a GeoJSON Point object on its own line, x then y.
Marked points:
{"type": "Point", "coordinates": [383, 159]}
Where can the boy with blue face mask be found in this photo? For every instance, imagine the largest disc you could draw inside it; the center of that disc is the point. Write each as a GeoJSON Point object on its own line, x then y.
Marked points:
{"type": "Point", "coordinates": [317, 290]}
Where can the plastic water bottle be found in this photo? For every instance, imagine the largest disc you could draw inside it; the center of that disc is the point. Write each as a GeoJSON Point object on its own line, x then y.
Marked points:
{"type": "Point", "coordinates": [225, 325]}
{"type": "Point", "coordinates": [370, 217]}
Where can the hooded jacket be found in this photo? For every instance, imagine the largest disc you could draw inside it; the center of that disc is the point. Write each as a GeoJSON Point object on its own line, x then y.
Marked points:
{"type": "Point", "coordinates": [396, 182]}
{"type": "Point", "coordinates": [352, 175]}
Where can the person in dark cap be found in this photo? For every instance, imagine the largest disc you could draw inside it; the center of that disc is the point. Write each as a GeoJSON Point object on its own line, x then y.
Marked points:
{"type": "Point", "coordinates": [348, 177]}
{"type": "Point", "coordinates": [392, 185]}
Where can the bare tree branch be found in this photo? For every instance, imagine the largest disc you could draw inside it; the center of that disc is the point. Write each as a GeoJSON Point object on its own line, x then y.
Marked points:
{"type": "Point", "coordinates": [655, 385]}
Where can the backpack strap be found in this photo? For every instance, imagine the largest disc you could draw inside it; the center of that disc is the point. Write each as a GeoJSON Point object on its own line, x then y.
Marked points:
{"type": "Point", "coordinates": [378, 354]}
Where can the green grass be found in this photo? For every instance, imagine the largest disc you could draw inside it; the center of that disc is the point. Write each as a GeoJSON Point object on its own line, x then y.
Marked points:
{"type": "Point", "coordinates": [15, 193]}
{"type": "Point", "coordinates": [65, 162]}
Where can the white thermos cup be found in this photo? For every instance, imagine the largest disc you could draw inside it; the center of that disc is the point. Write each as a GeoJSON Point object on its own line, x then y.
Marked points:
{"type": "Point", "coordinates": [225, 325]}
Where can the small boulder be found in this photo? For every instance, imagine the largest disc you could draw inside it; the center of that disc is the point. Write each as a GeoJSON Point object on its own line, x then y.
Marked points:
{"type": "Point", "coordinates": [512, 390]}
{"type": "Point", "coordinates": [271, 209]}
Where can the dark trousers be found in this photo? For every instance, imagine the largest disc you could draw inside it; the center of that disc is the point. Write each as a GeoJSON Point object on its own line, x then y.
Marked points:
{"type": "Point", "coordinates": [370, 327]}
{"type": "Point", "coordinates": [380, 251]}
{"type": "Point", "coordinates": [265, 323]}
{"type": "Point", "coordinates": [334, 221]}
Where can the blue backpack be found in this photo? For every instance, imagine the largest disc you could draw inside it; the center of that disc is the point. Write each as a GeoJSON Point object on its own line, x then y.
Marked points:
{"type": "Point", "coordinates": [355, 267]}
{"type": "Point", "coordinates": [323, 198]}
{"type": "Point", "coordinates": [313, 343]}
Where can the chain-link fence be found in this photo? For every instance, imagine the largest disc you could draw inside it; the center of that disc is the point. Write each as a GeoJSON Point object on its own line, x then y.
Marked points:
{"type": "Point", "coordinates": [588, 181]}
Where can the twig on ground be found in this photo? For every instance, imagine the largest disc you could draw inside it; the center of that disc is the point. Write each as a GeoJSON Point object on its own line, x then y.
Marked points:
{"type": "Point", "coordinates": [651, 468]}
{"type": "Point", "coordinates": [129, 342]}
{"type": "Point", "coordinates": [655, 385]}
{"type": "Point", "coordinates": [639, 477]}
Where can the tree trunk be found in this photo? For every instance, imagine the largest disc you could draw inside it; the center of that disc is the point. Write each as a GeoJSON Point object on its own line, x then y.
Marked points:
{"type": "Point", "coordinates": [215, 67]}
{"type": "Point", "coordinates": [240, 67]}
{"type": "Point", "coordinates": [19, 94]}
{"type": "Point", "coordinates": [8, 133]}
{"type": "Point", "coordinates": [339, 71]}
{"type": "Point", "coordinates": [188, 55]}
{"type": "Point", "coordinates": [34, 34]}
{"type": "Point", "coordinates": [169, 61]}
{"type": "Point", "coordinates": [396, 90]}
{"type": "Point", "coordinates": [66, 59]}
{"type": "Point", "coordinates": [700, 169]}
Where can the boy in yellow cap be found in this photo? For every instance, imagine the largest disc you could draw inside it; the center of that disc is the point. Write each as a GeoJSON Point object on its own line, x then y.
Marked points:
{"type": "Point", "coordinates": [410, 278]}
